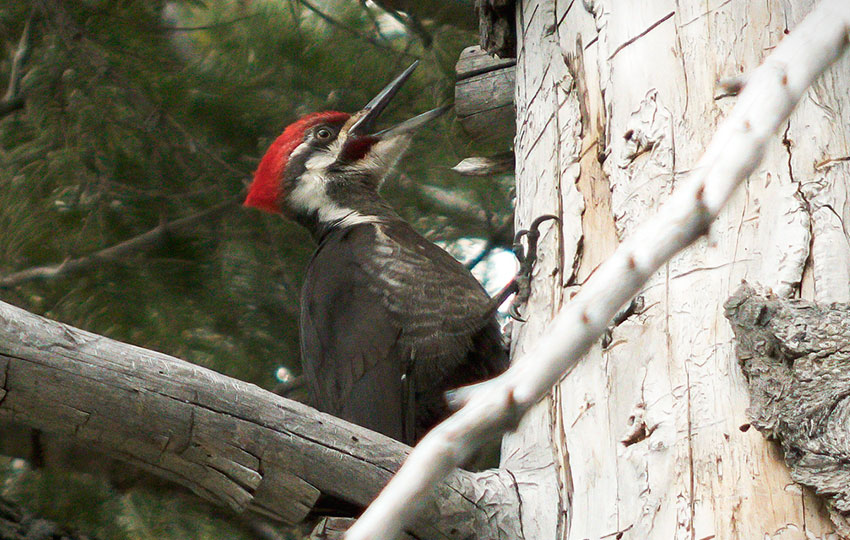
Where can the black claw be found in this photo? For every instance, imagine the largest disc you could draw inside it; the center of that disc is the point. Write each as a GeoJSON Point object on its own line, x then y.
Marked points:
{"type": "Point", "coordinates": [541, 220]}
{"type": "Point", "coordinates": [513, 311]}
{"type": "Point", "coordinates": [527, 256]}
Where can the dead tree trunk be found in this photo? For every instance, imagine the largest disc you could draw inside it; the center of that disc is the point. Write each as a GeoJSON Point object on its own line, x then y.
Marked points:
{"type": "Point", "coordinates": [647, 438]}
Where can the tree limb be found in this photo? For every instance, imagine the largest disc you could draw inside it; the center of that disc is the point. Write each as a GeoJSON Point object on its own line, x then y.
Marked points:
{"type": "Point", "coordinates": [141, 242]}
{"type": "Point", "coordinates": [228, 441]}
{"type": "Point", "coordinates": [409, 21]}
{"type": "Point", "coordinates": [13, 99]}
{"type": "Point", "coordinates": [353, 31]}
{"type": "Point", "coordinates": [770, 95]}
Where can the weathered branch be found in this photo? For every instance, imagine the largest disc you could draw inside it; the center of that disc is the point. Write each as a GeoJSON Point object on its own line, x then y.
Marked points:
{"type": "Point", "coordinates": [13, 99]}
{"type": "Point", "coordinates": [484, 95]}
{"type": "Point", "coordinates": [771, 93]}
{"type": "Point", "coordinates": [796, 356]}
{"type": "Point", "coordinates": [144, 241]}
{"type": "Point", "coordinates": [486, 166]}
{"type": "Point", "coordinates": [228, 441]}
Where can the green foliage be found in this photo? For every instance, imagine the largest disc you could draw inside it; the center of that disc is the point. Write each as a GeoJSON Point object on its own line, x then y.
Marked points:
{"type": "Point", "coordinates": [97, 509]}
{"type": "Point", "coordinates": [138, 112]}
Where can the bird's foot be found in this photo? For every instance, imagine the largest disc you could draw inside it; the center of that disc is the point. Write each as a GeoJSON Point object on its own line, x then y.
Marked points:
{"type": "Point", "coordinates": [527, 257]}
{"type": "Point", "coordinates": [635, 307]}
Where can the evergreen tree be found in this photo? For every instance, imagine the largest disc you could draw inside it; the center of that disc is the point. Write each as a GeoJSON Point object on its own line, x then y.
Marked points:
{"type": "Point", "coordinates": [133, 115]}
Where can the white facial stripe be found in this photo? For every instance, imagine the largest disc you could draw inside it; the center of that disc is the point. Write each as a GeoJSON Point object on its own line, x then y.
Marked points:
{"type": "Point", "coordinates": [324, 158]}
{"type": "Point", "coordinates": [300, 149]}
{"type": "Point", "coordinates": [345, 217]}
{"type": "Point", "coordinates": [310, 196]}
{"type": "Point", "coordinates": [309, 193]}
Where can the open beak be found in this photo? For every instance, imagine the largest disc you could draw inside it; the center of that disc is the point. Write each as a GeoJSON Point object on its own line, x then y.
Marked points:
{"type": "Point", "coordinates": [365, 125]}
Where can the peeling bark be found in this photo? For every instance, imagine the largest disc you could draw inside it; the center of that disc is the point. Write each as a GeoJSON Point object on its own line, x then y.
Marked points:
{"type": "Point", "coordinates": [796, 357]}
{"type": "Point", "coordinates": [643, 435]}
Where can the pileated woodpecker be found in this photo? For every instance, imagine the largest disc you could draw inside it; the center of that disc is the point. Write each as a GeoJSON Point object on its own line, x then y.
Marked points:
{"type": "Point", "coordinates": [389, 320]}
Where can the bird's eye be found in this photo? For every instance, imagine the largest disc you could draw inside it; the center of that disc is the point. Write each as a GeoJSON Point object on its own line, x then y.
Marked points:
{"type": "Point", "coordinates": [323, 134]}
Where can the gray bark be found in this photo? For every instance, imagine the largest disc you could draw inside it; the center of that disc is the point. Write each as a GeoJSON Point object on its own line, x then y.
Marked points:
{"type": "Point", "coordinates": [615, 104]}
{"type": "Point", "coordinates": [484, 95]}
{"type": "Point", "coordinates": [228, 441]}
{"type": "Point", "coordinates": [796, 357]}
{"type": "Point", "coordinates": [497, 26]}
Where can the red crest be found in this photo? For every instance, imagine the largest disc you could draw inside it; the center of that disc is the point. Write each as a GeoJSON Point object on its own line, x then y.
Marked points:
{"type": "Point", "coordinates": [266, 189]}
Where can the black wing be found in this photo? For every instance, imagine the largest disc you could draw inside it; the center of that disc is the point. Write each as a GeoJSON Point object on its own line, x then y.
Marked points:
{"type": "Point", "coordinates": [349, 343]}
{"type": "Point", "coordinates": [383, 301]}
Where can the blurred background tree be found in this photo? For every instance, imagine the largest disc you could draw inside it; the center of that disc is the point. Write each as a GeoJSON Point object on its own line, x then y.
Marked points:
{"type": "Point", "coordinates": [130, 114]}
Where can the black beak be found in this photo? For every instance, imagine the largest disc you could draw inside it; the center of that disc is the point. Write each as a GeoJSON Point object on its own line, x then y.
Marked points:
{"type": "Point", "coordinates": [365, 125]}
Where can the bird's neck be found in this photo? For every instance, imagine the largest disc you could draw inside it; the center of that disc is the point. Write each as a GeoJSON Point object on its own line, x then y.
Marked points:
{"type": "Point", "coordinates": [340, 212]}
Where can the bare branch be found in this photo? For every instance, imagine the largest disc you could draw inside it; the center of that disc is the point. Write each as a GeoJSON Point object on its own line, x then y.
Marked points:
{"type": "Point", "coordinates": [13, 99]}
{"type": "Point", "coordinates": [486, 166]}
{"type": "Point", "coordinates": [446, 199]}
{"type": "Point", "coordinates": [736, 150]}
{"type": "Point", "coordinates": [138, 243]}
{"type": "Point", "coordinates": [354, 32]}
{"type": "Point", "coordinates": [413, 24]}
{"type": "Point", "coordinates": [230, 442]}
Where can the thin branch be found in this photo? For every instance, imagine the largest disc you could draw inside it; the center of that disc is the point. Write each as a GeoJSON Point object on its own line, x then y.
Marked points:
{"type": "Point", "coordinates": [494, 239]}
{"type": "Point", "coordinates": [736, 150]}
{"type": "Point", "coordinates": [409, 21]}
{"type": "Point", "coordinates": [489, 245]}
{"type": "Point", "coordinates": [138, 243]}
{"type": "Point", "coordinates": [446, 199]}
{"type": "Point", "coordinates": [13, 99]}
{"type": "Point", "coordinates": [354, 32]}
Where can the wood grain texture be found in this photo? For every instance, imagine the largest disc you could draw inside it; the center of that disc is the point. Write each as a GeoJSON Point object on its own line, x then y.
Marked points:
{"type": "Point", "coordinates": [497, 26]}
{"type": "Point", "coordinates": [796, 357]}
{"type": "Point", "coordinates": [228, 441]}
{"type": "Point", "coordinates": [644, 433]}
{"type": "Point", "coordinates": [484, 95]}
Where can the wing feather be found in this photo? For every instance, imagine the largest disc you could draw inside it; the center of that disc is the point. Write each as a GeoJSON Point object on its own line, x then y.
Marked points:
{"type": "Point", "coordinates": [379, 300]}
